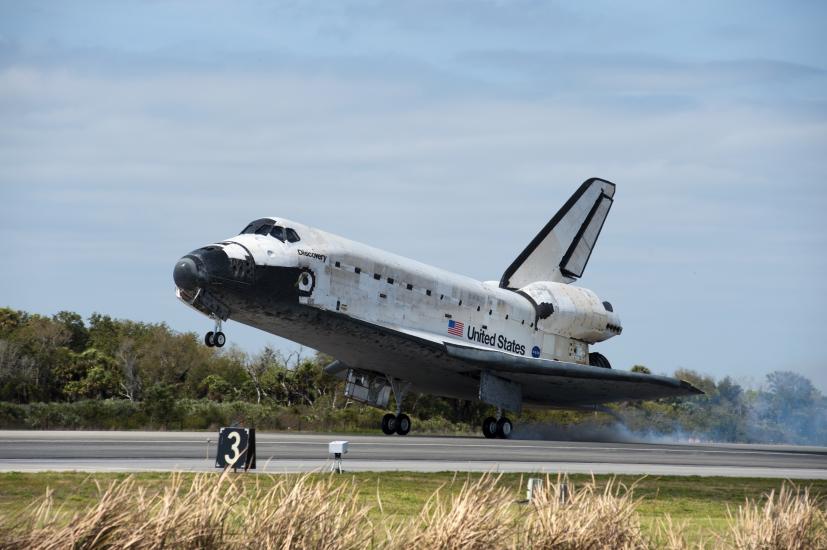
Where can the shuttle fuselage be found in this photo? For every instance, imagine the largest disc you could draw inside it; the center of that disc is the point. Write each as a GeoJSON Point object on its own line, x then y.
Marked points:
{"type": "Point", "coordinates": [393, 322]}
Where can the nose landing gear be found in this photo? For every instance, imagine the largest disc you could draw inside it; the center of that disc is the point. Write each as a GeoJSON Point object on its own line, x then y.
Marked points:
{"type": "Point", "coordinates": [215, 338]}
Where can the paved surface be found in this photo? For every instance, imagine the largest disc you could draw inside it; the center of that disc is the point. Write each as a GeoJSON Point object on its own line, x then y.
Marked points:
{"type": "Point", "coordinates": [285, 452]}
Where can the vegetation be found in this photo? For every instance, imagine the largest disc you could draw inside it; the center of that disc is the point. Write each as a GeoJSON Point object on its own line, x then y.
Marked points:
{"type": "Point", "coordinates": [69, 373]}
{"type": "Point", "coordinates": [395, 510]}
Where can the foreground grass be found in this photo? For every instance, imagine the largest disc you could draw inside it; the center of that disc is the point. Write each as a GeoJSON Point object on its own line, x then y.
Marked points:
{"type": "Point", "coordinates": [703, 506]}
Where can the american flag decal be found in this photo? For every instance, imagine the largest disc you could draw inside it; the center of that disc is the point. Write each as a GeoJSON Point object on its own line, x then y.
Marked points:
{"type": "Point", "coordinates": [455, 328]}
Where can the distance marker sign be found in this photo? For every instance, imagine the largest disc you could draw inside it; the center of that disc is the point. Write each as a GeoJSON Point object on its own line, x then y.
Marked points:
{"type": "Point", "coordinates": [236, 448]}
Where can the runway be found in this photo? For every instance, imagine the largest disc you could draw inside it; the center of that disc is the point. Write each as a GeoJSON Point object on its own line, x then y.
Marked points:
{"type": "Point", "coordinates": [288, 452]}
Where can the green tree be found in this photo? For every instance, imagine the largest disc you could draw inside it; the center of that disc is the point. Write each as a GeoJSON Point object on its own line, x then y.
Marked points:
{"type": "Point", "coordinates": [256, 369]}
{"type": "Point", "coordinates": [729, 391]}
{"type": "Point", "coordinates": [792, 408]}
{"type": "Point", "coordinates": [217, 389]}
{"type": "Point", "coordinates": [91, 375]}
{"type": "Point", "coordinates": [10, 321]}
{"type": "Point", "coordinates": [44, 341]}
{"type": "Point", "coordinates": [73, 323]}
{"type": "Point", "coordinates": [159, 404]}
{"type": "Point", "coordinates": [103, 333]}
{"type": "Point", "coordinates": [18, 373]}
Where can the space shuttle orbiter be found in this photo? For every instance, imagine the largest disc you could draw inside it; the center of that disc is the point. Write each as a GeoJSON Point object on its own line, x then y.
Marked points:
{"type": "Point", "coordinates": [397, 325]}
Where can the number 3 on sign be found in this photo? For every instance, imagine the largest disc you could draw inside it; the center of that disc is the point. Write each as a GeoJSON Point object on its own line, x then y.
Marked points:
{"type": "Point", "coordinates": [234, 447]}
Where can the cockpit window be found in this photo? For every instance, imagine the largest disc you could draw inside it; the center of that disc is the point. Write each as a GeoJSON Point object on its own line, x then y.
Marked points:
{"type": "Point", "coordinates": [292, 236]}
{"type": "Point", "coordinates": [265, 226]}
{"type": "Point", "coordinates": [277, 232]}
{"type": "Point", "coordinates": [259, 227]}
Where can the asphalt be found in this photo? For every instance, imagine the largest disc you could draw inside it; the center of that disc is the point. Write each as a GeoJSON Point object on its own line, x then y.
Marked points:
{"type": "Point", "coordinates": [290, 452]}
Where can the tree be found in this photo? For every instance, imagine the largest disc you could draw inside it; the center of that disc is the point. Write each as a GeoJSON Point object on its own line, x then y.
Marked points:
{"type": "Point", "coordinates": [257, 367]}
{"type": "Point", "coordinates": [44, 340]}
{"type": "Point", "coordinates": [641, 369]}
{"type": "Point", "coordinates": [794, 407]}
{"type": "Point", "coordinates": [91, 375]}
{"type": "Point", "coordinates": [730, 391]}
{"type": "Point", "coordinates": [704, 383]}
{"type": "Point", "coordinates": [73, 323]}
{"type": "Point", "coordinates": [103, 333]}
{"type": "Point", "coordinates": [18, 373]}
{"type": "Point", "coordinates": [127, 358]}
{"type": "Point", "coordinates": [159, 404]}
{"type": "Point", "coordinates": [169, 358]}
{"type": "Point", "coordinates": [217, 389]}
{"type": "Point", "coordinates": [10, 321]}
{"type": "Point", "coordinates": [789, 391]}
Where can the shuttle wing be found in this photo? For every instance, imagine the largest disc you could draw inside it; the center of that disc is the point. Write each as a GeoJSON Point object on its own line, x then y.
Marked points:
{"type": "Point", "coordinates": [561, 250]}
{"type": "Point", "coordinates": [544, 382]}
{"type": "Point", "coordinates": [561, 383]}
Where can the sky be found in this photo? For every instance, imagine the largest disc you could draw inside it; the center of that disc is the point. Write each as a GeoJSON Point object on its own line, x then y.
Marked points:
{"type": "Point", "coordinates": [447, 131]}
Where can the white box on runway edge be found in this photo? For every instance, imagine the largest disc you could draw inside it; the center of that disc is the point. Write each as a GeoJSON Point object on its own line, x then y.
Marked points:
{"type": "Point", "coordinates": [337, 447]}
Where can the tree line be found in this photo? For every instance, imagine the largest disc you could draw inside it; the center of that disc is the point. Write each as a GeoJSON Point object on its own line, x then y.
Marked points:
{"type": "Point", "coordinates": [64, 359]}
{"type": "Point", "coordinates": [64, 371]}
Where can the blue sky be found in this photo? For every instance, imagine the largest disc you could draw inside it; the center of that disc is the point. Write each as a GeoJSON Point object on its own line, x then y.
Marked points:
{"type": "Point", "coordinates": [450, 132]}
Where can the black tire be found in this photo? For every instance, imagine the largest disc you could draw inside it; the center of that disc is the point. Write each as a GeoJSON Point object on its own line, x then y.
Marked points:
{"type": "Point", "coordinates": [219, 339]}
{"type": "Point", "coordinates": [208, 339]}
{"type": "Point", "coordinates": [403, 424]}
{"type": "Point", "coordinates": [389, 424]}
{"type": "Point", "coordinates": [599, 360]}
{"type": "Point", "coordinates": [489, 427]}
{"type": "Point", "coordinates": [504, 428]}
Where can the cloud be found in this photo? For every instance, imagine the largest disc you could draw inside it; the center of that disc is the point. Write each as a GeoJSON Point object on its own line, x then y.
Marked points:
{"type": "Point", "coordinates": [604, 74]}
{"type": "Point", "coordinates": [117, 160]}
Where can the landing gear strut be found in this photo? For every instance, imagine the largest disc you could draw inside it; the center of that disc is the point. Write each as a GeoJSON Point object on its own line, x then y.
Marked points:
{"type": "Point", "coordinates": [215, 337]}
{"type": "Point", "coordinates": [500, 426]}
{"type": "Point", "coordinates": [398, 423]}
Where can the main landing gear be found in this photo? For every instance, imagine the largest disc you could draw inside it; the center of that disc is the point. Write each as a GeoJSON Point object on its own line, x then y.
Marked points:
{"type": "Point", "coordinates": [215, 338]}
{"type": "Point", "coordinates": [398, 423]}
{"type": "Point", "coordinates": [500, 426]}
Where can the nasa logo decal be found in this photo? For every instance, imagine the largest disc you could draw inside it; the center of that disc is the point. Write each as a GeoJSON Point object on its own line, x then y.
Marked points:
{"type": "Point", "coordinates": [535, 352]}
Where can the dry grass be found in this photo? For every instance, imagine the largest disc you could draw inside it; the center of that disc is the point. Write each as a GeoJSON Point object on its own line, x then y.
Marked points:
{"type": "Point", "coordinates": [297, 513]}
{"type": "Point", "coordinates": [212, 512]}
{"type": "Point", "coordinates": [303, 512]}
{"type": "Point", "coordinates": [788, 519]}
{"type": "Point", "coordinates": [564, 516]}
{"type": "Point", "coordinates": [477, 518]}
{"type": "Point", "coordinates": [672, 535]}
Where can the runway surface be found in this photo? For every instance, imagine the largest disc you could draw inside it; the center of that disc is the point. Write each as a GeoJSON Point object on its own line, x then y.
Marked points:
{"type": "Point", "coordinates": [287, 452]}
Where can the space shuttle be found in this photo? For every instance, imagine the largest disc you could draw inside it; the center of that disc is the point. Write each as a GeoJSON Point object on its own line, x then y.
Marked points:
{"type": "Point", "coordinates": [396, 325]}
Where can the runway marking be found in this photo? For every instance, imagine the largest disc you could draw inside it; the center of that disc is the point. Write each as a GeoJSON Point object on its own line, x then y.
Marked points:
{"type": "Point", "coordinates": [539, 446]}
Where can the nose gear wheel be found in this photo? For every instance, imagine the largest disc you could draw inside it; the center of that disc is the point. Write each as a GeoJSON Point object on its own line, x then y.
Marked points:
{"type": "Point", "coordinates": [215, 338]}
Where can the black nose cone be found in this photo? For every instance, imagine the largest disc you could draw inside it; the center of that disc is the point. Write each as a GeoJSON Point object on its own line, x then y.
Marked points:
{"type": "Point", "coordinates": [185, 274]}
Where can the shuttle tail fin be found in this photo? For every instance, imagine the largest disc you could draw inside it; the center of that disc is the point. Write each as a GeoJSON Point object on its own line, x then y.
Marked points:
{"type": "Point", "coordinates": [561, 250]}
